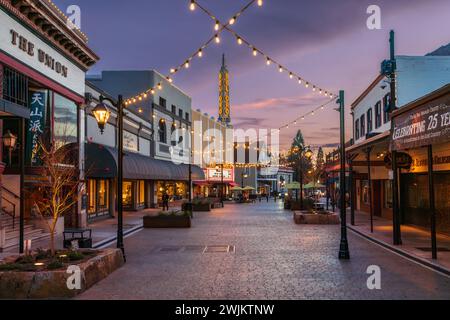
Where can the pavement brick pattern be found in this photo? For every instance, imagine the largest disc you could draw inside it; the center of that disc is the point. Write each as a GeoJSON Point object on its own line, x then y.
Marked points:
{"type": "Point", "coordinates": [273, 259]}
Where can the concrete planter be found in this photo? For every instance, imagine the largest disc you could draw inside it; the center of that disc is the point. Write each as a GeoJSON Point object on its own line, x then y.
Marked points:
{"type": "Point", "coordinates": [53, 284]}
{"type": "Point", "coordinates": [201, 207]}
{"type": "Point", "coordinates": [167, 221]}
{"type": "Point", "coordinates": [302, 217]}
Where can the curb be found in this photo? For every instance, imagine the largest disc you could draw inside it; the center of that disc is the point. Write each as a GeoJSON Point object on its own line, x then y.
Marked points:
{"type": "Point", "coordinates": [110, 240]}
{"type": "Point", "coordinates": [401, 252]}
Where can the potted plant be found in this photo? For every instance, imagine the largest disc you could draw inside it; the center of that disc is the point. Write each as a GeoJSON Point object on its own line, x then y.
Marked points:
{"type": "Point", "coordinates": [201, 205]}
{"type": "Point", "coordinates": [170, 219]}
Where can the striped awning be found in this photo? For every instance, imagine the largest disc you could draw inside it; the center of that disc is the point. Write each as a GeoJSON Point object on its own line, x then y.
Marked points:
{"type": "Point", "coordinates": [101, 162]}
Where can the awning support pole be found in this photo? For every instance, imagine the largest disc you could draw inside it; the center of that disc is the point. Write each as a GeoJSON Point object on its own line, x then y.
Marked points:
{"type": "Point", "coordinates": [432, 202]}
{"type": "Point", "coordinates": [395, 202]}
{"type": "Point", "coordinates": [368, 150]}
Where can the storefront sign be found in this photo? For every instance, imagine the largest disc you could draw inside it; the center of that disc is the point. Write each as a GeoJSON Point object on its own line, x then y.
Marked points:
{"type": "Point", "coordinates": [404, 161]}
{"type": "Point", "coordinates": [426, 125]}
{"type": "Point", "coordinates": [130, 141]}
{"type": "Point", "coordinates": [213, 174]}
{"type": "Point", "coordinates": [21, 44]}
{"type": "Point", "coordinates": [47, 60]}
{"type": "Point", "coordinates": [36, 126]}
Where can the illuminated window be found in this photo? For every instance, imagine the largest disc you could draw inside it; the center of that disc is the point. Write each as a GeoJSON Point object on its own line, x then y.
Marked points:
{"type": "Point", "coordinates": [141, 192]}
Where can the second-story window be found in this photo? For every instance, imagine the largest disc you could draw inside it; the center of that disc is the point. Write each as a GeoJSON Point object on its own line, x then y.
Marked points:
{"type": "Point", "coordinates": [369, 120]}
{"type": "Point", "coordinates": [386, 106]}
{"type": "Point", "coordinates": [187, 116]}
{"type": "Point", "coordinates": [162, 131]}
{"type": "Point", "coordinates": [362, 121]}
{"type": "Point", "coordinates": [162, 102]}
{"type": "Point", "coordinates": [174, 109]}
{"type": "Point", "coordinates": [357, 129]}
{"type": "Point", "coordinates": [180, 113]}
{"type": "Point", "coordinates": [378, 115]}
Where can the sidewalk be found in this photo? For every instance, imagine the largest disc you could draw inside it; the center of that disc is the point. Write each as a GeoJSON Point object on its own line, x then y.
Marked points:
{"type": "Point", "coordinates": [104, 230]}
{"type": "Point", "coordinates": [415, 241]}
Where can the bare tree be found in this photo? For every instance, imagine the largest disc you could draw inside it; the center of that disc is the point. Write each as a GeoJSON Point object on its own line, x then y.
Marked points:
{"type": "Point", "coordinates": [60, 184]}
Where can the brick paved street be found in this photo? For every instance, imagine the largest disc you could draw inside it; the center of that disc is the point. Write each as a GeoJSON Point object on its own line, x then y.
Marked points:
{"type": "Point", "coordinates": [273, 259]}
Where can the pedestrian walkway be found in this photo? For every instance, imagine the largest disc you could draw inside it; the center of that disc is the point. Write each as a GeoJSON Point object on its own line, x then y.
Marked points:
{"type": "Point", "coordinates": [415, 241]}
{"type": "Point", "coordinates": [256, 251]}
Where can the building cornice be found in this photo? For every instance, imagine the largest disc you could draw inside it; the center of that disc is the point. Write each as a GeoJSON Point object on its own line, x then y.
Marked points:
{"type": "Point", "coordinates": [48, 22]}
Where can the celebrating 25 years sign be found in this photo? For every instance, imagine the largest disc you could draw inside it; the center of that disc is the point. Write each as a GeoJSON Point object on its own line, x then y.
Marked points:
{"type": "Point", "coordinates": [425, 125]}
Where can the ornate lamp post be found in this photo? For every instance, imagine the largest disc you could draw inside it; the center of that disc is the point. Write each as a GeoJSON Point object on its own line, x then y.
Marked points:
{"type": "Point", "coordinates": [344, 253]}
{"type": "Point", "coordinates": [102, 114]}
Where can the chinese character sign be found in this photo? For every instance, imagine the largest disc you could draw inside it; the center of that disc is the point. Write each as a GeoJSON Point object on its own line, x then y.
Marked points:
{"type": "Point", "coordinates": [36, 126]}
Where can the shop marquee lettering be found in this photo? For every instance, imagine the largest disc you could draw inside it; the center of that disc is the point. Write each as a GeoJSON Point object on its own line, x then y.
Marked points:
{"type": "Point", "coordinates": [23, 44]}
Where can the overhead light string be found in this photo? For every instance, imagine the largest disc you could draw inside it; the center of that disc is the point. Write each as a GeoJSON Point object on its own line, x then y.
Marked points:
{"type": "Point", "coordinates": [187, 62]}
{"type": "Point", "coordinates": [255, 51]}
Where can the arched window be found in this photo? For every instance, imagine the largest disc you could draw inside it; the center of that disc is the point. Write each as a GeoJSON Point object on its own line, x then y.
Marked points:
{"type": "Point", "coordinates": [162, 131]}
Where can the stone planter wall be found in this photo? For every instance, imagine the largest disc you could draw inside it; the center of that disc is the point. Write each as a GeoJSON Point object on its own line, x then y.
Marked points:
{"type": "Point", "coordinates": [167, 222]}
{"type": "Point", "coordinates": [302, 217]}
{"type": "Point", "coordinates": [53, 284]}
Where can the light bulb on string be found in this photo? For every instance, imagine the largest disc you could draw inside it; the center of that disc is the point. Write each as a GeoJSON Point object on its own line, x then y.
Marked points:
{"type": "Point", "coordinates": [291, 75]}
{"type": "Point", "coordinates": [217, 26]}
{"type": "Point", "coordinates": [173, 70]}
{"type": "Point", "coordinates": [239, 40]}
{"type": "Point", "coordinates": [152, 91]}
{"type": "Point", "coordinates": [200, 53]}
{"type": "Point", "coordinates": [299, 81]}
{"type": "Point", "coordinates": [255, 52]}
{"type": "Point", "coordinates": [260, 3]}
{"type": "Point", "coordinates": [159, 86]}
{"type": "Point", "coordinates": [169, 79]}
{"type": "Point", "coordinates": [216, 38]}
{"type": "Point", "coordinates": [232, 20]}
{"type": "Point", "coordinates": [192, 5]}
{"type": "Point", "coordinates": [186, 64]}
{"type": "Point", "coordinates": [280, 69]}
{"type": "Point", "coordinates": [268, 61]}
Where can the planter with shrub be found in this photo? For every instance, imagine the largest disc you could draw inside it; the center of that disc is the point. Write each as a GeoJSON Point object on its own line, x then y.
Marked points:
{"type": "Point", "coordinates": [172, 219]}
{"type": "Point", "coordinates": [41, 275]}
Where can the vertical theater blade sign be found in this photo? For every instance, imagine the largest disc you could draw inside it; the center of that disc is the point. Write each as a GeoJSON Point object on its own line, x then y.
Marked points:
{"type": "Point", "coordinates": [36, 125]}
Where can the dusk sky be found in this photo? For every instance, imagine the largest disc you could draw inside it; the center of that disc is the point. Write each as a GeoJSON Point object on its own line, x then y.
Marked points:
{"type": "Point", "coordinates": [326, 42]}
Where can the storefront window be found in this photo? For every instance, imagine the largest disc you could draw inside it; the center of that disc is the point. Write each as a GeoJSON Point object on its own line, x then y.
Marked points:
{"type": "Point", "coordinates": [442, 194]}
{"type": "Point", "coordinates": [365, 191]}
{"type": "Point", "coordinates": [388, 194]}
{"type": "Point", "coordinates": [65, 121]}
{"type": "Point", "coordinates": [127, 194]}
{"type": "Point", "coordinates": [141, 192]}
{"type": "Point", "coordinates": [91, 196]}
{"type": "Point", "coordinates": [103, 194]}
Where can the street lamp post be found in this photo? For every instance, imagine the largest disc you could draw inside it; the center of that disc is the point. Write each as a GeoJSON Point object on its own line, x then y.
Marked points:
{"type": "Point", "coordinates": [344, 253]}
{"type": "Point", "coordinates": [102, 114]}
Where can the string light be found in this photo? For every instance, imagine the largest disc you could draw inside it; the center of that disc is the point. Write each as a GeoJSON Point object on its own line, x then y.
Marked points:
{"type": "Point", "coordinates": [215, 38]}
{"type": "Point", "coordinates": [192, 6]}
{"type": "Point", "coordinates": [280, 69]}
{"type": "Point", "coordinates": [268, 61]}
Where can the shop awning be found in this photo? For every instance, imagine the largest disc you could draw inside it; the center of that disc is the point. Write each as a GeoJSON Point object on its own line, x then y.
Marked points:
{"type": "Point", "coordinates": [200, 183]}
{"type": "Point", "coordinates": [101, 162]}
